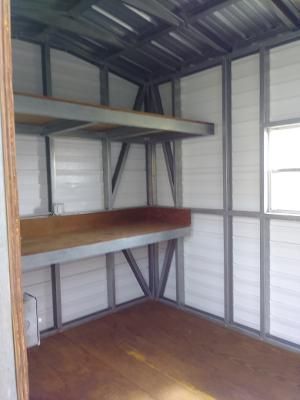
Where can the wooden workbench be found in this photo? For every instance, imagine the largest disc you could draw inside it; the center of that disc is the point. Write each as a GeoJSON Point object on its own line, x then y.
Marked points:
{"type": "Point", "coordinates": [57, 239]}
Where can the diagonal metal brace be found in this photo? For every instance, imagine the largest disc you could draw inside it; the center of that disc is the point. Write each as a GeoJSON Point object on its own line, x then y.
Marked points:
{"type": "Point", "coordinates": [169, 159]}
{"type": "Point", "coordinates": [166, 267]}
{"type": "Point", "coordinates": [119, 169]}
{"type": "Point", "coordinates": [136, 271]}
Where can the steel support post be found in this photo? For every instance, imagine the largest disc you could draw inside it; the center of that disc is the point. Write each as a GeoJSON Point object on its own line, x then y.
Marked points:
{"type": "Point", "coordinates": [178, 189]}
{"type": "Point", "coordinates": [108, 192]}
{"type": "Point", "coordinates": [50, 169]}
{"type": "Point", "coordinates": [108, 198]}
{"type": "Point", "coordinates": [56, 295]}
{"type": "Point", "coordinates": [264, 221]}
{"type": "Point", "coordinates": [227, 190]}
{"type": "Point", "coordinates": [104, 86]}
{"type": "Point", "coordinates": [151, 179]}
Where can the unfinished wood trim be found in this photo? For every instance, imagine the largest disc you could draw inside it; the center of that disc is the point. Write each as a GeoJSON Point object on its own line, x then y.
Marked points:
{"type": "Point", "coordinates": [11, 195]}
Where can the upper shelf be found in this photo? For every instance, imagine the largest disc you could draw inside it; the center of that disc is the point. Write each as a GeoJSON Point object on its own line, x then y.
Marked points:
{"type": "Point", "coordinates": [63, 117]}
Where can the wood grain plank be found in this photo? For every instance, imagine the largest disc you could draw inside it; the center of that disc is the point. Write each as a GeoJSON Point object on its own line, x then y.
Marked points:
{"type": "Point", "coordinates": [169, 355]}
{"type": "Point", "coordinates": [58, 232]}
{"type": "Point", "coordinates": [12, 206]}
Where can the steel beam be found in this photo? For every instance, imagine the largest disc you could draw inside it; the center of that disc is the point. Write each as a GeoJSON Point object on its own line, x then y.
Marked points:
{"type": "Point", "coordinates": [166, 267]}
{"type": "Point", "coordinates": [188, 17]}
{"type": "Point", "coordinates": [63, 127]}
{"type": "Point", "coordinates": [59, 109]}
{"type": "Point", "coordinates": [61, 22]}
{"type": "Point", "coordinates": [227, 190]}
{"type": "Point", "coordinates": [136, 271]}
{"type": "Point", "coordinates": [243, 50]}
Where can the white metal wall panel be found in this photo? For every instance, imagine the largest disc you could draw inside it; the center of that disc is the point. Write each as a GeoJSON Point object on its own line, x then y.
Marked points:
{"type": "Point", "coordinates": [246, 271]}
{"type": "Point", "coordinates": [79, 187]}
{"type": "Point", "coordinates": [204, 265]}
{"type": "Point", "coordinates": [83, 288]}
{"type": "Point", "coordinates": [285, 81]}
{"type": "Point", "coordinates": [38, 283]}
{"type": "Point", "coordinates": [164, 193]}
{"type": "Point", "coordinates": [27, 67]}
{"type": "Point", "coordinates": [170, 291]}
{"type": "Point", "coordinates": [201, 99]}
{"type": "Point", "coordinates": [166, 97]}
{"type": "Point", "coordinates": [132, 191]}
{"type": "Point", "coordinates": [127, 287]}
{"type": "Point", "coordinates": [32, 176]}
{"type": "Point", "coordinates": [73, 78]}
{"type": "Point", "coordinates": [245, 133]}
{"type": "Point", "coordinates": [122, 93]}
{"type": "Point", "coordinates": [285, 280]}
{"type": "Point", "coordinates": [79, 174]}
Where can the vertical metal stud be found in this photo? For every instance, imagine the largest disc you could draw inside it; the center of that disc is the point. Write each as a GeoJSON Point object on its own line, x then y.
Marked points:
{"type": "Point", "coordinates": [264, 57]}
{"type": "Point", "coordinates": [56, 293]}
{"type": "Point", "coordinates": [108, 197]}
{"type": "Point", "coordinates": [177, 146]}
{"type": "Point", "coordinates": [107, 189]}
{"type": "Point", "coordinates": [151, 180]}
{"type": "Point", "coordinates": [104, 86]}
{"type": "Point", "coordinates": [227, 190]}
{"type": "Point", "coordinates": [50, 169]}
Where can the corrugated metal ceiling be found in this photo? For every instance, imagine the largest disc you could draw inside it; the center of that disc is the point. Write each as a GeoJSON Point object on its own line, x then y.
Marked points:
{"type": "Point", "coordinates": [148, 39]}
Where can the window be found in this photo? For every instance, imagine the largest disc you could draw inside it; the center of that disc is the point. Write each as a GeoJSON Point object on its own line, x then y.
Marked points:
{"type": "Point", "coordinates": [284, 169]}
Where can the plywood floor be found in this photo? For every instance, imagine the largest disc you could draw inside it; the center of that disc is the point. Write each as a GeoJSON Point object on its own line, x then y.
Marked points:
{"type": "Point", "coordinates": [152, 351]}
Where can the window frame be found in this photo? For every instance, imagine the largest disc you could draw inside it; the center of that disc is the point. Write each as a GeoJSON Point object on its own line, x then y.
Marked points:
{"type": "Point", "coordinates": [269, 172]}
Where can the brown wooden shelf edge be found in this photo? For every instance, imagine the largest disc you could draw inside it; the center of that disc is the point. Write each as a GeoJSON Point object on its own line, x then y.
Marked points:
{"type": "Point", "coordinates": [61, 239]}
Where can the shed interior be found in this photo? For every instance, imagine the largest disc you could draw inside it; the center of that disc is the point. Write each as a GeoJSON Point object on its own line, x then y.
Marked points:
{"type": "Point", "coordinates": [157, 148]}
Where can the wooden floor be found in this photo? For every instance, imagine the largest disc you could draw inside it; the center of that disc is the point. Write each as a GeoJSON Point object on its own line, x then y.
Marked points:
{"type": "Point", "coordinates": [152, 351]}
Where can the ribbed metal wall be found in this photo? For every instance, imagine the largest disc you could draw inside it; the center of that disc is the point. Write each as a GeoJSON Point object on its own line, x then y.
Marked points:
{"type": "Point", "coordinates": [27, 72]}
{"type": "Point", "coordinates": [132, 189]}
{"type": "Point", "coordinates": [285, 280]}
{"type": "Point", "coordinates": [164, 193]}
{"type": "Point", "coordinates": [285, 81]}
{"type": "Point", "coordinates": [78, 174]}
{"type": "Point", "coordinates": [246, 272]}
{"type": "Point", "coordinates": [245, 133]}
{"type": "Point", "coordinates": [201, 99]}
{"type": "Point", "coordinates": [73, 78]}
{"type": "Point", "coordinates": [165, 91]}
{"type": "Point", "coordinates": [170, 290]}
{"type": "Point", "coordinates": [122, 93]}
{"type": "Point", "coordinates": [32, 175]}
{"type": "Point", "coordinates": [83, 288]}
{"type": "Point", "coordinates": [127, 287]}
{"type": "Point", "coordinates": [204, 265]}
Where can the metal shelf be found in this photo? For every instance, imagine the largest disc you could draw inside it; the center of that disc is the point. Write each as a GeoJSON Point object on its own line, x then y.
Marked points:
{"type": "Point", "coordinates": [63, 117]}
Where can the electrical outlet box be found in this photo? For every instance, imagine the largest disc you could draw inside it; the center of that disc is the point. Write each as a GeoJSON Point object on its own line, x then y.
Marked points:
{"type": "Point", "coordinates": [31, 321]}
